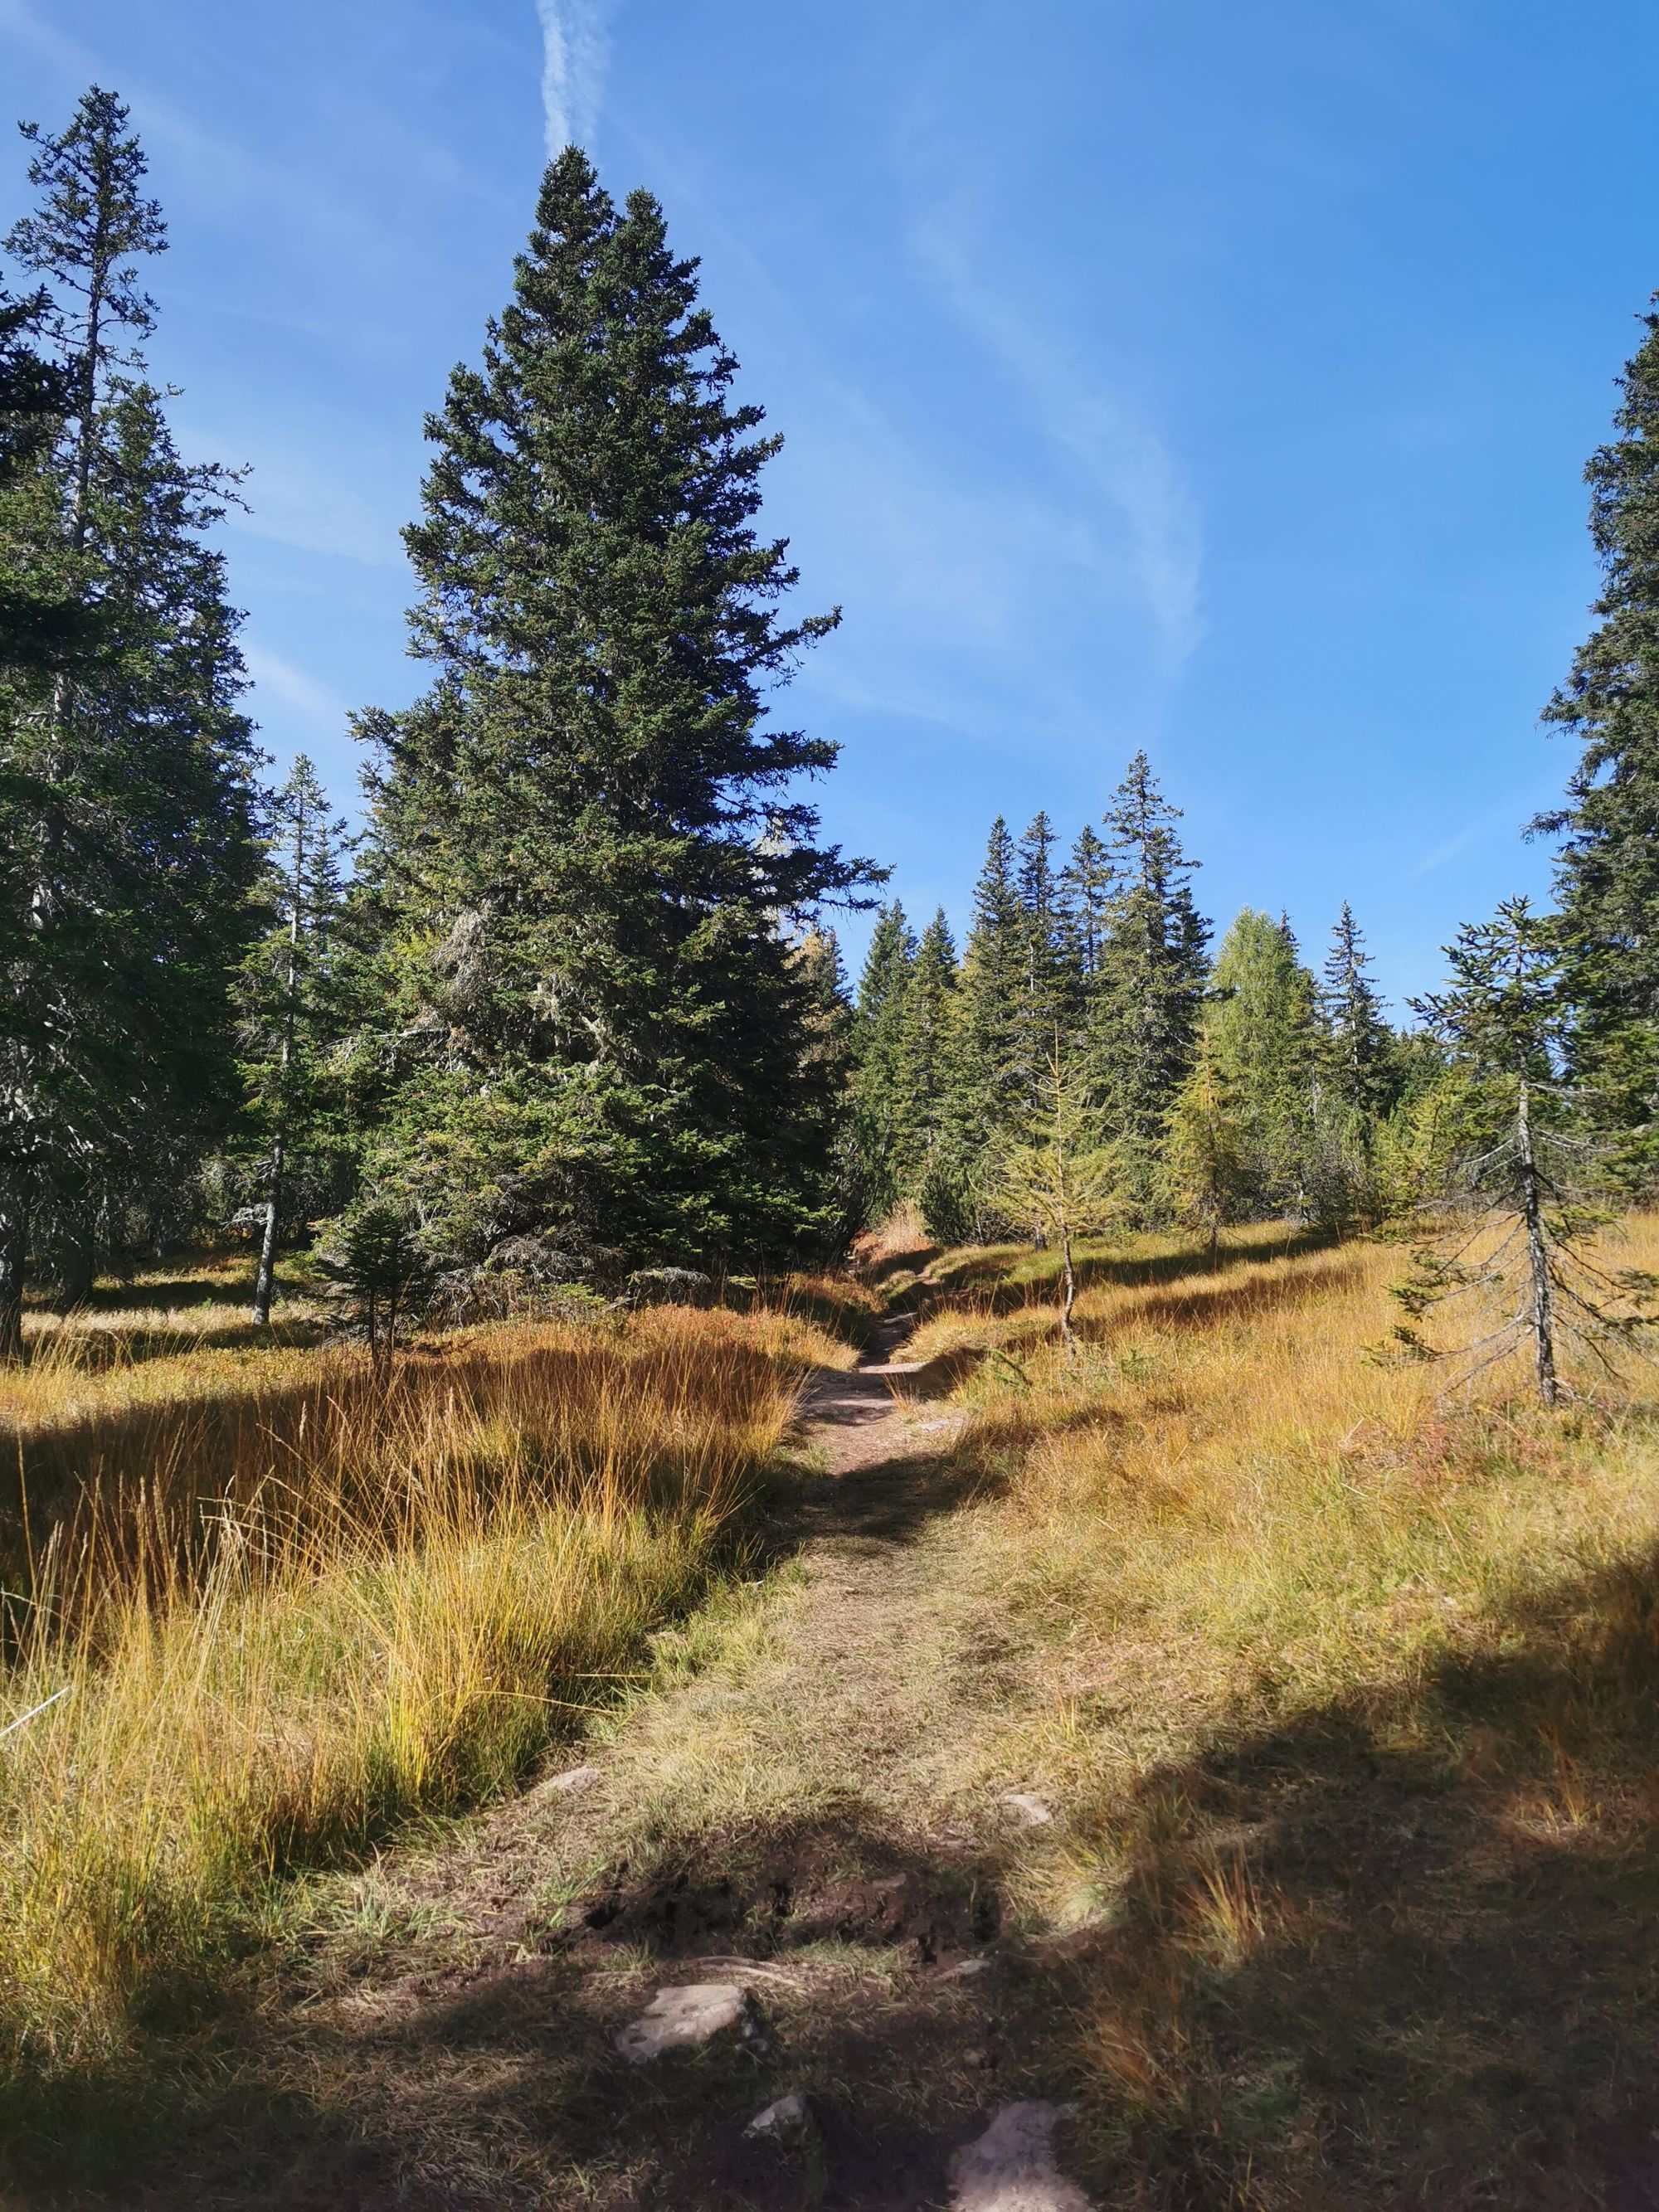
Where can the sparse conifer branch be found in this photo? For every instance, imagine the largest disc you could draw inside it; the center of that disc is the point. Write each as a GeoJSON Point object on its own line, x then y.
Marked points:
{"type": "Point", "coordinates": [1525, 1193]}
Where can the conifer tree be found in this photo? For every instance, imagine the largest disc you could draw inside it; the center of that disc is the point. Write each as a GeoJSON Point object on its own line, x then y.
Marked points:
{"type": "Point", "coordinates": [1205, 1177]}
{"type": "Point", "coordinates": [877, 1100]}
{"type": "Point", "coordinates": [1360, 1056]}
{"type": "Point", "coordinates": [1061, 1179]}
{"type": "Point", "coordinates": [1609, 886]}
{"type": "Point", "coordinates": [40, 624]}
{"type": "Point", "coordinates": [586, 843]}
{"type": "Point", "coordinates": [924, 1053]}
{"type": "Point", "coordinates": [1087, 884]}
{"type": "Point", "coordinates": [986, 1097]}
{"type": "Point", "coordinates": [1044, 998]}
{"type": "Point", "coordinates": [294, 1013]}
{"type": "Point", "coordinates": [1262, 1032]}
{"type": "Point", "coordinates": [126, 845]}
{"type": "Point", "coordinates": [1360, 1081]}
{"type": "Point", "coordinates": [1149, 981]}
{"type": "Point", "coordinates": [1527, 1171]}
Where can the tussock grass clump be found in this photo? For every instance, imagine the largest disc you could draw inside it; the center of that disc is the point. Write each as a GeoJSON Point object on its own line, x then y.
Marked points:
{"type": "Point", "coordinates": [287, 1612]}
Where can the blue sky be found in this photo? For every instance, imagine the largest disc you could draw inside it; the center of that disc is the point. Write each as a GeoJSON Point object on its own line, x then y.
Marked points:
{"type": "Point", "coordinates": [1153, 372]}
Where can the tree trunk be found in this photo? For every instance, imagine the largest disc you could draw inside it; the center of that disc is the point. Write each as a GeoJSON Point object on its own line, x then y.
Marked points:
{"type": "Point", "coordinates": [1069, 1298]}
{"type": "Point", "coordinates": [265, 1274]}
{"type": "Point", "coordinates": [265, 1277]}
{"type": "Point", "coordinates": [1538, 1258]}
{"type": "Point", "coordinates": [13, 1253]}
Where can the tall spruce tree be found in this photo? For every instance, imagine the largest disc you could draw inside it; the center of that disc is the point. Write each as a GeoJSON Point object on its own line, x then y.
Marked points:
{"type": "Point", "coordinates": [877, 1105]}
{"type": "Point", "coordinates": [1044, 999]}
{"type": "Point", "coordinates": [924, 1054]}
{"type": "Point", "coordinates": [295, 1016]}
{"type": "Point", "coordinates": [1263, 1034]}
{"type": "Point", "coordinates": [1359, 1057]}
{"type": "Point", "coordinates": [985, 1093]}
{"type": "Point", "coordinates": [586, 844]}
{"type": "Point", "coordinates": [1087, 884]}
{"type": "Point", "coordinates": [1361, 1076]}
{"type": "Point", "coordinates": [1608, 874]}
{"type": "Point", "coordinates": [40, 622]}
{"type": "Point", "coordinates": [126, 843]}
{"type": "Point", "coordinates": [1149, 984]}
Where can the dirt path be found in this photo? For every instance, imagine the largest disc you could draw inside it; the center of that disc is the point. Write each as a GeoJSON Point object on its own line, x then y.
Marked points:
{"type": "Point", "coordinates": [809, 1808]}
{"type": "Point", "coordinates": [869, 1414]}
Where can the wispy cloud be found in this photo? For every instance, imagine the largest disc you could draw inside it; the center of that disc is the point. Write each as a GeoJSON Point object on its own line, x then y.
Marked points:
{"type": "Point", "coordinates": [1519, 807]}
{"type": "Point", "coordinates": [575, 50]}
{"type": "Point", "coordinates": [1120, 456]}
{"type": "Point", "coordinates": [303, 694]}
{"type": "Point", "coordinates": [295, 500]}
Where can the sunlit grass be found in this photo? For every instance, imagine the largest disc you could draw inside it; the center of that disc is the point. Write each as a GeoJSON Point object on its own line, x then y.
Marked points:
{"type": "Point", "coordinates": [287, 1602]}
{"type": "Point", "coordinates": [1258, 1572]}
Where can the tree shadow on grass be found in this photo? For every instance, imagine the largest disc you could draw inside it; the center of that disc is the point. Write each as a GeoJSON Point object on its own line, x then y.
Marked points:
{"type": "Point", "coordinates": [502, 2084]}
{"type": "Point", "coordinates": [99, 1350]}
{"type": "Point", "coordinates": [1204, 1302]}
{"type": "Point", "coordinates": [983, 1278]}
{"type": "Point", "coordinates": [1404, 1949]}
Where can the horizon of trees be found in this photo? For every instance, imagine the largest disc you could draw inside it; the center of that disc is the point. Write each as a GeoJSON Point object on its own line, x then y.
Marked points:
{"type": "Point", "coordinates": [569, 1006]}
{"type": "Point", "coordinates": [1231, 1086]}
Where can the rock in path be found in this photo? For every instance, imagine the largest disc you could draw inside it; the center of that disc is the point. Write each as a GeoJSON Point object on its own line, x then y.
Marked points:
{"type": "Point", "coordinates": [1021, 1810]}
{"type": "Point", "coordinates": [571, 1783]}
{"type": "Point", "coordinates": [679, 2018]}
{"type": "Point", "coordinates": [788, 2116]}
{"type": "Point", "coordinates": [1011, 2167]}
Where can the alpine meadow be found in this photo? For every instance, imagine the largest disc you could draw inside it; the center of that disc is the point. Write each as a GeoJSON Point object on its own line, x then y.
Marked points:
{"type": "Point", "coordinates": [635, 1571]}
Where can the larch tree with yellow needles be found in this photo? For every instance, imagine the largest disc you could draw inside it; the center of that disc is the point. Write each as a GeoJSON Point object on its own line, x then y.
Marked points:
{"type": "Point", "coordinates": [1206, 1176]}
{"type": "Point", "coordinates": [1066, 1183]}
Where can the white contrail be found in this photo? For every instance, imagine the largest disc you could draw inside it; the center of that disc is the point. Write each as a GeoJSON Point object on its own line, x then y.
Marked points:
{"type": "Point", "coordinates": [575, 47]}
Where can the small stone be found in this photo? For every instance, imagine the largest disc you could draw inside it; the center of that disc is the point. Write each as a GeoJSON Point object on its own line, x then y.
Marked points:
{"type": "Point", "coordinates": [571, 1783]}
{"type": "Point", "coordinates": [1011, 2167]}
{"type": "Point", "coordinates": [787, 2117]}
{"type": "Point", "coordinates": [964, 1969]}
{"type": "Point", "coordinates": [679, 2018]}
{"type": "Point", "coordinates": [1021, 1810]}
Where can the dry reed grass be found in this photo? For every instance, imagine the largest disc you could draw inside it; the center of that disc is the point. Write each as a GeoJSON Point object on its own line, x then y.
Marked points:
{"type": "Point", "coordinates": [287, 1601]}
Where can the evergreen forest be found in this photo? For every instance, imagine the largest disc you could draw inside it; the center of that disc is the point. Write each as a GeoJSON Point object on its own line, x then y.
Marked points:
{"type": "Point", "coordinates": [567, 1006]}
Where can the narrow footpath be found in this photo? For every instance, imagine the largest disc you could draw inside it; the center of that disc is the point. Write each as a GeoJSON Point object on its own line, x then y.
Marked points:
{"type": "Point", "coordinates": [756, 1950]}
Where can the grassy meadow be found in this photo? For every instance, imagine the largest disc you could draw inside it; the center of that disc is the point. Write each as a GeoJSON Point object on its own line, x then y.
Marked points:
{"type": "Point", "coordinates": [1348, 1687]}
{"type": "Point", "coordinates": [1341, 1687]}
{"type": "Point", "coordinates": [280, 1601]}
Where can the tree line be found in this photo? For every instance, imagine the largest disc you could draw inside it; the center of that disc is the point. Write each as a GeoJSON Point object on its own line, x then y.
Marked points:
{"type": "Point", "coordinates": [1228, 1086]}
{"type": "Point", "coordinates": [567, 1005]}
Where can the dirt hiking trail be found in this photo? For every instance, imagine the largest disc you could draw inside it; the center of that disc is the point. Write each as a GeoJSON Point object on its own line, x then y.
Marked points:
{"type": "Point", "coordinates": [807, 1811]}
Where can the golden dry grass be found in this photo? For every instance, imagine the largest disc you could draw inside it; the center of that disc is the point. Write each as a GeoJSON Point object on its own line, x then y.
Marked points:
{"type": "Point", "coordinates": [1311, 1640]}
{"type": "Point", "coordinates": [287, 1601]}
{"type": "Point", "coordinates": [1343, 1693]}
